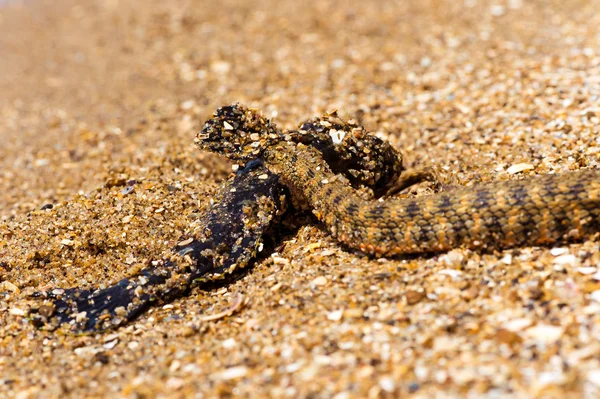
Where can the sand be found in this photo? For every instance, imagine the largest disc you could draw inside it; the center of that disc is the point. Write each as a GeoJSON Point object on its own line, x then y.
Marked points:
{"type": "Point", "coordinates": [98, 94]}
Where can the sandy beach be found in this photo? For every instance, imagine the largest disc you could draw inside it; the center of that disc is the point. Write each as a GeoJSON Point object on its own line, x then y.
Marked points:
{"type": "Point", "coordinates": [98, 95]}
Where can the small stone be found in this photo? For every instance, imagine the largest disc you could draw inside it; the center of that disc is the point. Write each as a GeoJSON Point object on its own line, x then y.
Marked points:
{"type": "Point", "coordinates": [558, 251]}
{"type": "Point", "coordinates": [185, 242]}
{"type": "Point", "coordinates": [453, 258]}
{"type": "Point", "coordinates": [387, 384]}
{"type": "Point", "coordinates": [127, 190]}
{"type": "Point", "coordinates": [452, 273]}
{"type": "Point", "coordinates": [592, 150]}
{"type": "Point", "coordinates": [587, 270]}
{"type": "Point", "coordinates": [80, 317]}
{"type": "Point", "coordinates": [66, 242]}
{"type": "Point", "coordinates": [111, 344]}
{"type": "Point", "coordinates": [519, 167]}
{"type": "Point", "coordinates": [508, 337]}
{"type": "Point", "coordinates": [545, 333]}
{"type": "Point", "coordinates": [584, 353]}
{"type": "Point", "coordinates": [174, 383]}
{"type": "Point", "coordinates": [328, 252]}
{"type": "Point", "coordinates": [470, 293]}
{"type": "Point", "coordinates": [593, 376]}
{"type": "Point", "coordinates": [354, 313]}
{"type": "Point", "coordinates": [595, 296]}
{"type": "Point", "coordinates": [46, 310]}
{"type": "Point", "coordinates": [188, 331]}
{"type": "Point", "coordinates": [518, 324]}
{"type": "Point", "coordinates": [8, 286]}
{"type": "Point", "coordinates": [232, 373]}
{"type": "Point", "coordinates": [17, 312]}
{"type": "Point", "coordinates": [278, 260]}
{"type": "Point", "coordinates": [276, 287]}
{"type": "Point", "coordinates": [319, 281]}
{"type": "Point", "coordinates": [336, 315]}
{"type": "Point", "coordinates": [551, 378]}
{"type": "Point", "coordinates": [413, 296]}
{"type": "Point", "coordinates": [337, 136]}
{"type": "Point", "coordinates": [564, 260]}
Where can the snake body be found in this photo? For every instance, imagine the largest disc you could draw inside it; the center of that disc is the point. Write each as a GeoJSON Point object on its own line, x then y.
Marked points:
{"type": "Point", "coordinates": [532, 211]}
{"type": "Point", "coordinates": [230, 233]}
{"type": "Point", "coordinates": [337, 170]}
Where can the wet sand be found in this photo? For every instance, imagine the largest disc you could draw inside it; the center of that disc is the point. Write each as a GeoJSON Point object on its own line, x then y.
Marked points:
{"type": "Point", "coordinates": [98, 94]}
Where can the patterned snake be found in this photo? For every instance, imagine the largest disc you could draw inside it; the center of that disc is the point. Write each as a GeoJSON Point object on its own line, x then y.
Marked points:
{"type": "Point", "coordinates": [540, 210]}
{"type": "Point", "coordinates": [337, 170]}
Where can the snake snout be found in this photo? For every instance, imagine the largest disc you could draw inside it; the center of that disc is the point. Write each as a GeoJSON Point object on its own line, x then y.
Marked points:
{"type": "Point", "coordinates": [238, 132]}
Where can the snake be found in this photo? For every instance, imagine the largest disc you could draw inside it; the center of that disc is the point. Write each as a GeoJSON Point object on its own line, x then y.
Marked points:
{"type": "Point", "coordinates": [344, 176]}
{"type": "Point", "coordinates": [247, 211]}
{"type": "Point", "coordinates": [539, 210]}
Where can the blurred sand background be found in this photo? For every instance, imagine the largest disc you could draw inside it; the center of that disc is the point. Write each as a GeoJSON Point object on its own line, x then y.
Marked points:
{"type": "Point", "coordinates": [93, 93]}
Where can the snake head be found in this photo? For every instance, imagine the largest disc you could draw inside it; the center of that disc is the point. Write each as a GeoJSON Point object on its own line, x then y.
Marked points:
{"type": "Point", "coordinates": [238, 132]}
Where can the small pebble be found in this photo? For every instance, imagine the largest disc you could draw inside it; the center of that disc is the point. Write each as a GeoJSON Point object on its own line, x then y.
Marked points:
{"type": "Point", "coordinates": [336, 315]}
{"type": "Point", "coordinates": [413, 297]}
{"type": "Point", "coordinates": [506, 259]}
{"type": "Point", "coordinates": [232, 373]}
{"type": "Point", "coordinates": [593, 376]}
{"type": "Point", "coordinates": [565, 260]}
{"type": "Point", "coordinates": [387, 384]}
{"type": "Point", "coordinates": [320, 281]}
{"type": "Point", "coordinates": [17, 312]}
{"type": "Point", "coordinates": [587, 270]}
{"type": "Point", "coordinates": [595, 295]}
{"type": "Point", "coordinates": [545, 333]}
{"type": "Point", "coordinates": [520, 167]}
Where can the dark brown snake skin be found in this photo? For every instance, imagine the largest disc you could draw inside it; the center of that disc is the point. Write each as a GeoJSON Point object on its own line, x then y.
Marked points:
{"type": "Point", "coordinates": [532, 211]}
